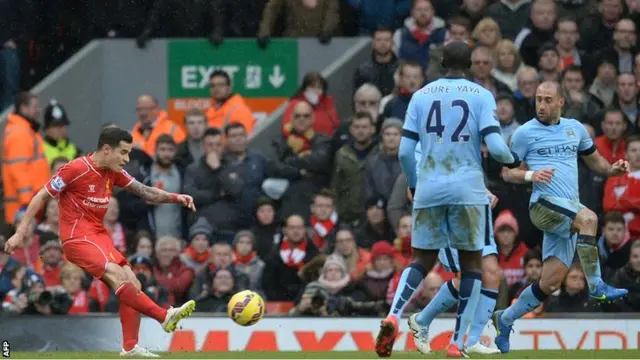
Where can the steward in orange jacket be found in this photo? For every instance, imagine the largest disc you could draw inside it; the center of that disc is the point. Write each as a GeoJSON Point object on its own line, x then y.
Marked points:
{"type": "Point", "coordinates": [227, 107]}
{"type": "Point", "coordinates": [24, 167]}
{"type": "Point", "coordinates": [152, 123]}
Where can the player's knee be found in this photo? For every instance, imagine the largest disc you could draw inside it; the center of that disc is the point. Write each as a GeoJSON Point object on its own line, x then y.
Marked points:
{"type": "Point", "coordinates": [136, 283]}
{"type": "Point", "coordinates": [551, 284]}
{"type": "Point", "coordinates": [586, 219]}
{"type": "Point", "coordinates": [115, 275]}
{"type": "Point", "coordinates": [491, 273]}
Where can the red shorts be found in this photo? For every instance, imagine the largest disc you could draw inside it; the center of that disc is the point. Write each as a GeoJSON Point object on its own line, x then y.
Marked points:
{"type": "Point", "coordinates": [93, 253]}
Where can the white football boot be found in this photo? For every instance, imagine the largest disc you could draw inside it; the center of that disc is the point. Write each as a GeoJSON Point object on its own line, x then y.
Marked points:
{"type": "Point", "coordinates": [138, 351]}
{"type": "Point", "coordinates": [420, 335]}
{"type": "Point", "coordinates": [481, 349]}
{"type": "Point", "coordinates": [174, 315]}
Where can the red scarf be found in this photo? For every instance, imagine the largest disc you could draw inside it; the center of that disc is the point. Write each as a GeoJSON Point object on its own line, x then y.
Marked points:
{"type": "Point", "coordinates": [293, 254]}
{"type": "Point", "coordinates": [243, 259]}
{"type": "Point", "coordinates": [80, 303]}
{"type": "Point", "coordinates": [300, 144]}
{"type": "Point", "coordinates": [420, 36]}
{"type": "Point", "coordinates": [193, 254]}
{"type": "Point", "coordinates": [322, 228]}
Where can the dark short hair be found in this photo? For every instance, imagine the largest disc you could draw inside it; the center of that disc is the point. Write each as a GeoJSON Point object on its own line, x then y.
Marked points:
{"type": "Point", "coordinates": [325, 193]}
{"type": "Point", "coordinates": [631, 139]}
{"type": "Point", "coordinates": [232, 126]}
{"type": "Point", "coordinates": [165, 139]}
{"type": "Point", "coordinates": [112, 136]}
{"type": "Point", "coordinates": [23, 99]}
{"type": "Point", "coordinates": [456, 56]}
{"type": "Point", "coordinates": [364, 115]}
{"type": "Point", "coordinates": [212, 131]}
{"type": "Point", "coordinates": [460, 21]}
{"type": "Point", "coordinates": [613, 217]}
{"type": "Point", "coordinates": [614, 110]}
{"type": "Point", "coordinates": [382, 28]}
{"type": "Point", "coordinates": [572, 68]}
{"type": "Point", "coordinates": [410, 63]}
{"type": "Point", "coordinates": [532, 254]}
{"type": "Point", "coordinates": [221, 73]}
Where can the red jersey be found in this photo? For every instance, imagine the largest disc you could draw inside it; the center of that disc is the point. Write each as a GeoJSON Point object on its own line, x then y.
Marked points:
{"type": "Point", "coordinates": [84, 192]}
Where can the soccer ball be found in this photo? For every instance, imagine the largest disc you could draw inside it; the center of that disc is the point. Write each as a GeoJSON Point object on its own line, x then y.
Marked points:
{"type": "Point", "coordinates": [246, 308]}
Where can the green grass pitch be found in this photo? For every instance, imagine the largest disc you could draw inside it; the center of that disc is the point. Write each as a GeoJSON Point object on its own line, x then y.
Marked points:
{"type": "Point", "coordinates": [522, 354]}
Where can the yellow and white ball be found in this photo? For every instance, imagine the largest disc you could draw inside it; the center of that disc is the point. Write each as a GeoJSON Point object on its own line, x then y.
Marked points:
{"type": "Point", "coordinates": [246, 308]}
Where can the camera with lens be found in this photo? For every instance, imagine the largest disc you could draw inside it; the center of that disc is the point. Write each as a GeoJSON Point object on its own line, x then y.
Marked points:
{"type": "Point", "coordinates": [317, 300]}
{"type": "Point", "coordinates": [40, 298]}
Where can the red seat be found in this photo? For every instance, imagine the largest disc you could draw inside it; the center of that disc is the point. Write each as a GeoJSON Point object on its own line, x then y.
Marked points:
{"type": "Point", "coordinates": [279, 307]}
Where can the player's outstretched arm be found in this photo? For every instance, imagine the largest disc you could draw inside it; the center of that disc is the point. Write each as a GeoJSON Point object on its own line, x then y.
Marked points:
{"type": "Point", "coordinates": [36, 204]}
{"type": "Point", "coordinates": [159, 196]}
{"type": "Point", "coordinates": [596, 162]}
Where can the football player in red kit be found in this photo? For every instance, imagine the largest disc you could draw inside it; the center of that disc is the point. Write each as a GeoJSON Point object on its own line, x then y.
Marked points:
{"type": "Point", "coordinates": [83, 188]}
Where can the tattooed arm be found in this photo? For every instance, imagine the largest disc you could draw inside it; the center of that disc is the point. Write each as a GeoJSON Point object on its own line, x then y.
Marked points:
{"type": "Point", "coordinates": [158, 196]}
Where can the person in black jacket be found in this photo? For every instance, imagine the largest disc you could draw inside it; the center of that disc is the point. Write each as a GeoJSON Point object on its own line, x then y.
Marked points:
{"type": "Point", "coordinates": [190, 150]}
{"type": "Point", "coordinates": [628, 277]}
{"type": "Point", "coordinates": [381, 68]}
{"type": "Point", "coordinates": [540, 30]}
{"type": "Point", "coordinates": [574, 294]}
{"type": "Point", "coordinates": [614, 245]}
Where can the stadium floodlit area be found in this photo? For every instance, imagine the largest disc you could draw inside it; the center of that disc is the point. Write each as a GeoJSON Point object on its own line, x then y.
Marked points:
{"type": "Point", "coordinates": [523, 354]}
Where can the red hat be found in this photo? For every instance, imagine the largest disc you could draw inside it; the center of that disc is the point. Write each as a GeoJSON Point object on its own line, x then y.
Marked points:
{"type": "Point", "coordinates": [506, 218]}
{"type": "Point", "coordinates": [381, 248]}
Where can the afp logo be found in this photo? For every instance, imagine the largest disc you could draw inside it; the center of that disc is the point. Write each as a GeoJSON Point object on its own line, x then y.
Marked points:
{"type": "Point", "coordinates": [6, 349]}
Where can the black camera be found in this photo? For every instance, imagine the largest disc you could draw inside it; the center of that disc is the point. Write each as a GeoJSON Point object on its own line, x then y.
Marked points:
{"type": "Point", "coordinates": [317, 300]}
{"type": "Point", "coordinates": [44, 298]}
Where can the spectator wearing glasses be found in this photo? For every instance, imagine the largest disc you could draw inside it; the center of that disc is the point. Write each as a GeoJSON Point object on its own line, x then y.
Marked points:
{"type": "Point", "coordinates": [481, 68]}
{"type": "Point", "coordinates": [227, 107]}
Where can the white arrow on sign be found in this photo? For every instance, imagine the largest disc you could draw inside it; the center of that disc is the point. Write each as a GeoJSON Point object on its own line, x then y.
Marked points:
{"type": "Point", "coordinates": [277, 78]}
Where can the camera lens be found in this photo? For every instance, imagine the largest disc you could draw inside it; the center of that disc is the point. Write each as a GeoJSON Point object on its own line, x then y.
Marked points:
{"type": "Point", "coordinates": [45, 298]}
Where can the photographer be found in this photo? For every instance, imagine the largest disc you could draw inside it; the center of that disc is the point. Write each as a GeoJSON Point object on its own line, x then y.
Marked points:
{"type": "Point", "coordinates": [16, 300]}
{"type": "Point", "coordinates": [41, 301]}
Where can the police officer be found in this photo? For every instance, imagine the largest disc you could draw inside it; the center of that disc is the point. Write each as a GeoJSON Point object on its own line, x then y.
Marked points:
{"type": "Point", "coordinates": [56, 143]}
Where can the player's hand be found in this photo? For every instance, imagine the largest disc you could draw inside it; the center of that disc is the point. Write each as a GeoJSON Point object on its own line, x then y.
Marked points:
{"type": "Point", "coordinates": [619, 167]}
{"type": "Point", "coordinates": [409, 195]}
{"type": "Point", "coordinates": [492, 198]}
{"type": "Point", "coordinates": [186, 201]}
{"type": "Point", "coordinates": [14, 242]}
{"type": "Point", "coordinates": [543, 176]}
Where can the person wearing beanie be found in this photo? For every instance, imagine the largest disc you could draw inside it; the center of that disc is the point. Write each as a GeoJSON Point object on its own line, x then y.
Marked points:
{"type": "Point", "coordinates": [383, 167]}
{"type": "Point", "coordinates": [336, 279]}
{"type": "Point", "coordinates": [380, 270]}
{"type": "Point", "coordinates": [511, 251]}
{"type": "Point", "coordinates": [56, 141]}
{"type": "Point", "coordinates": [266, 227]}
{"type": "Point", "coordinates": [50, 260]}
{"type": "Point", "coordinates": [375, 227]}
{"type": "Point", "coordinates": [196, 255]}
{"type": "Point", "coordinates": [246, 259]}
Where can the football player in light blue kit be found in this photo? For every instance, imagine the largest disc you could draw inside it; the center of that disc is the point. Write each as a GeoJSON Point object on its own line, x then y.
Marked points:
{"type": "Point", "coordinates": [449, 117]}
{"type": "Point", "coordinates": [550, 146]}
{"type": "Point", "coordinates": [447, 296]}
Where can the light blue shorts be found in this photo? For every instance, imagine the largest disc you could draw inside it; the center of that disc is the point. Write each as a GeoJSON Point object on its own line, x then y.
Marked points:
{"type": "Point", "coordinates": [449, 257]}
{"type": "Point", "coordinates": [462, 227]}
{"type": "Point", "coordinates": [554, 217]}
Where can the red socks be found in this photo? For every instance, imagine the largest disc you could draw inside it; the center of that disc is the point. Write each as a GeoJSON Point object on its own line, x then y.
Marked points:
{"type": "Point", "coordinates": [140, 302]}
{"type": "Point", "coordinates": [130, 320]}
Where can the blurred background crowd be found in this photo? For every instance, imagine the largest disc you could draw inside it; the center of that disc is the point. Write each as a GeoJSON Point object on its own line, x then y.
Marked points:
{"type": "Point", "coordinates": [322, 228]}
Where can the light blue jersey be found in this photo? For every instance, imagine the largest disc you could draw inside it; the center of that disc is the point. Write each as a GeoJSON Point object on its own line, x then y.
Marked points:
{"type": "Point", "coordinates": [553, 146]}
{"type": "Point", "coordinates": [450, 117]}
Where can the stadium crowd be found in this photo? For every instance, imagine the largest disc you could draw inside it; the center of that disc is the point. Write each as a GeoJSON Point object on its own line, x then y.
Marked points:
{"type": "Point", "coordinates": [323, 228]}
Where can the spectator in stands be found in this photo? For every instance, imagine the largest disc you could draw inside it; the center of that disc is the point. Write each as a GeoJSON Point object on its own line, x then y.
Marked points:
{"type": "Point", "coordinates": [573, 295]}
{"type": "Point", "coordinates": [430, 286]}
{"type": "Point", "coordinates": [506, 116]}
{"type": "Point", "coordinates": [7, 270]}
{"type": "Point", "coordinates": [356, 259]}
{"type": "Point", "coordinates": [380, 69]}
{"type": "Point", "coordinates": [365, 100]}
{"type": "Point", "coordinates": [624, 46]}
{"type": "Point", "coordinates": [249, 168]}
{"type": "Point", "coordinates": [143, 243]}
{"type": "Point", "coordinates": [113, 227]}
{"type": "Point", "coordinates": [487, 34]}
{"type": "Point", "coordinates": [590, 183]}
{"type": "Point", "coordinates": [142, 267]}
{"type": "Point", "coordinates": [71, 277]}
{"type": "Point", "coordinates": [197, 254]}
{"type": "Point", "coordinates": [374, 14]}
{"type": "Point", "coordinates": [482, 64]}
{"type": "Point", "coordinates": [303, 158]}
{"type": "Point", "coordinates": [56, 141]}
{"type": "Point", "coordinates": [548, 63]}
{"type": "Point", "coordinates": [220, 292]}
{"type": "Point", "coordinates": [458, 29]}
{"type": "Point", "coordinates": [166, 219]}
{"type": "Point", "coordinates": [336, 278]}
{"type": "Point", "coordinates": [215, 187]}
{"type": "Point", "coordinates": [398, 203]}
{"type": "Point", "coordinates": [313, 90]}
{"type": "Point", "coordinates": [614, 244]}
{"type": "Point", "coordinates": [402, 242]}
{"type": "Point", "coordinates": [626, 98]}
{"type": "Point", "coordinates": [375, 227]}
{"type": "Point", "coordinates": [540, 30]}
{"type": "Point", "coordinates": [265, 228]}
{"type": "Point", "coordinates": [324, 220]}
{"type": "Point", "coordinates": [315, 18]}
{"type": "Point", "coordinates": [422, 29]}
{"type": "Point", "coordinates": [633, 8]}
{"type": "Point", "coordinates": [577, 102]}
{"type": "Point", "coordinates": [636, 70]}
{"type": "Point", "coordinates": [349, 167]}
{"type": "Point", "coordinates": [246, 259]}
{"type": "Point", "coordinates": [612, 144]}
{"type": "Point", "coordinates": [169, 271]}
{"type": "Point", "coordinates": [29, 253]}
{"type": "Point", "coordinates": [383, 167]}
{"type": "Point", "coordinates": [25, 168]}
{"type": "Point", "coordinates": [511, 15]}
{"type": "Point", "coordinates": [603, 87]}
{"type": "Point", "coordinates": [191, 150]}
{"type": "Point", "coordinates": [527, 80]}
{"type": "Point", "coordinates": [280, 279]}
{"type": "Point", "coordinates": [507, 64]}
{"type": "Point", "coordinates": [15, 301]}
{"type": "Point", "coordinates": [227, 107]}
{"type": "Point", "coordinates": [153, 122]}
{"type": "Point", "coordinates": [510, 250]}
{"type": "Point", "coordinates": [596, 31]}
{"type": "Point", "coordinates": [411, 79]}
{"type": "Point", "coordinates": [474, 10]}
{"type": "Point", "coordinates": [51, 255]}
{"type": "Point", "coordinates": [532, 264]}
{"type": "Point", "coordinates": [221, 258]}
{"type": "Point", "coordinates": [622, 193]}
{"type": "Point", "coordinates": [628, 277]}
{"type": "Point", "coordinates": [382, 268]}
{"type": "Point", "coordinates": [50, 223]}
{"type": "Point", "coordinates": [566, 37]}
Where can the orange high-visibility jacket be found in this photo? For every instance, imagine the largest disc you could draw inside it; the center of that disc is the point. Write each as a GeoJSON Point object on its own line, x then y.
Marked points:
{"type": "Point", "coordinates": [234, 110]}
{"type": "Point", "coordinates": [161, 126]}
{"type": "Point", "coordinates": [24, 168]}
